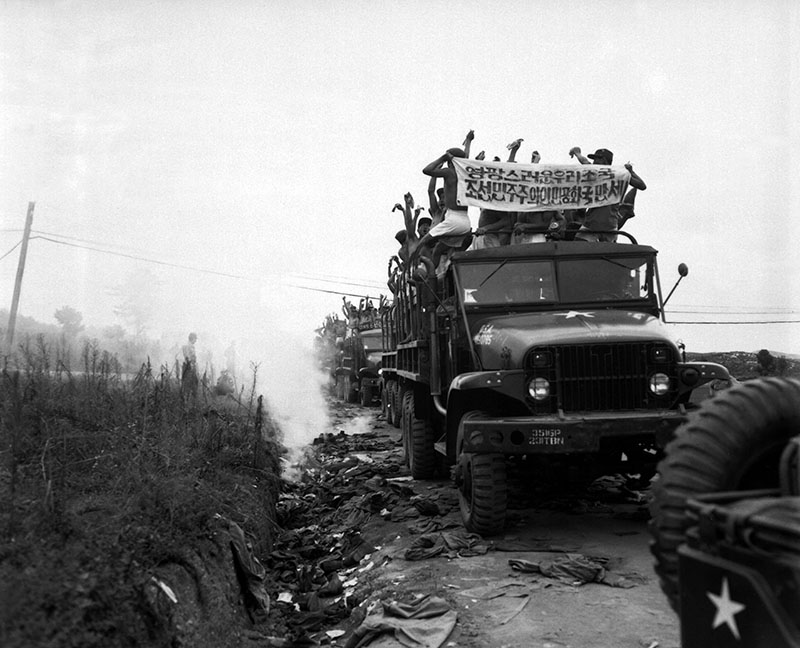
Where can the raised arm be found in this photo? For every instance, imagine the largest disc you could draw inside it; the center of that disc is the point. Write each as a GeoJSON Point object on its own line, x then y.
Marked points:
{"type": "Point", "coordinates": [434, 169]}
{"type": "Point", "coordinates": [468, 142]}
{"type": "Point", "coordinates": [575, 152]}
{"type": "Point", "coordinates": [513, 148]}
{"type": "Point", "coordinates": [432, 199]}
{"type": "Point", "coordinates": [410, 220]}
{"type": "Point", "coordinates": [635, 180]}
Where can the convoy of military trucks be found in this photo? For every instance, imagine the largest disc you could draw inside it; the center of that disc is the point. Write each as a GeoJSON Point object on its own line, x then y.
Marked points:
{"type": "Point", "coordinates": [554, 357]}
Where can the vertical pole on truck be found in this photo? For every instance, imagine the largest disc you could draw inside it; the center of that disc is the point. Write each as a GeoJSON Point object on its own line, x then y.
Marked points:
{"type": "Point", "coordinates": [12, 318]}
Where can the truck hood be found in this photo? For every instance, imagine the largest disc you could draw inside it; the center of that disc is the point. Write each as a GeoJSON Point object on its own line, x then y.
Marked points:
{"type": "Point", "coordinates": [502, 341]}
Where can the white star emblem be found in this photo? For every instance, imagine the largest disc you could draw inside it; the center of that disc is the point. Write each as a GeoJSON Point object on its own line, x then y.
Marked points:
{"type": "Point", "coordinates": [726, 609]}
{"type": "Point", "coordinates": [572, 314]}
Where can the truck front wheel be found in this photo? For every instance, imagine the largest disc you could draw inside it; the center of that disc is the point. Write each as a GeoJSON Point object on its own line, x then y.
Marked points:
{"type": "Point", "coordinates": [366, 396]}
{"type": "Point", "coordinates": [482, 494]}
{"type": "Point", "coordinates": [340, 388]}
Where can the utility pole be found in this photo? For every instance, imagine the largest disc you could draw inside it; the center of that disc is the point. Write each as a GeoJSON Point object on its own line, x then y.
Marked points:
{"type": "Point", "coordinates": [12, 318]}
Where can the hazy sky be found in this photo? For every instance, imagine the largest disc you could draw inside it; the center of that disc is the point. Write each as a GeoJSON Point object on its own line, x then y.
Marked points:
{"type": "Point", "coordinates": [269, 141]}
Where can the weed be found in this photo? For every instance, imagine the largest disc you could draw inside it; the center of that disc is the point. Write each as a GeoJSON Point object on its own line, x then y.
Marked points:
{"type": "Point", "coordinates": [104, 477]}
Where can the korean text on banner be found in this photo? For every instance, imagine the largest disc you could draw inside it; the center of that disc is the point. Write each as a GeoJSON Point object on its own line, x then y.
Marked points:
{"type": "Point", "coordinates": [505, 186]}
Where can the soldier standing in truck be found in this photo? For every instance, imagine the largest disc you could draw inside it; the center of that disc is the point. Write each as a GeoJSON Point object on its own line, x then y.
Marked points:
{"type": "Point", "coordinates": [601, 222]}
{"type": "Point", "coordinates": [450, 233]}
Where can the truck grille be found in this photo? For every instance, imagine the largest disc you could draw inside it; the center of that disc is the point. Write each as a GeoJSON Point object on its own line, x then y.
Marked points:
{"type": "Point", "coordinates": [593, 377]}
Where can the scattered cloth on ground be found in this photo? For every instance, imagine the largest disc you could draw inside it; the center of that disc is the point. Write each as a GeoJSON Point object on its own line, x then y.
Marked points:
{"type": "Point", "coordinates": [426, 506]}
{"type": "Point", "coordinates": [529, 544]}
{"type": "Point", "coordinates": [425, 622]}
{"type": "Point", "coordinates": [577, 569]}
{"type": "Point", "coordinates": [432, 525]}
{"type": "Point", "coordinates": [451, 543]}
{"type": "Point", "coordinates": [250, 574]}
{"type": "Point", "coordinates": [507, 587]}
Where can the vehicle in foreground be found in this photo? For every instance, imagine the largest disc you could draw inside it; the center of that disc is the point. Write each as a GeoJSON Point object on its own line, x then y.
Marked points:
{"type": "Point", "coordinates": [726, 519]}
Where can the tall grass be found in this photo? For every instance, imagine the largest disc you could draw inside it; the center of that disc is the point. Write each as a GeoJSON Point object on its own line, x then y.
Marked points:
{"type": "Point", "coordinates": [95, 463]}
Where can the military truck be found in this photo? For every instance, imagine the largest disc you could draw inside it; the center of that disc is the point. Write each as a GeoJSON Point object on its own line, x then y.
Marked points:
{"type": "Point", "coordinates": [358, 362]}
{"type": "Point", "coordinates": [542, 356]}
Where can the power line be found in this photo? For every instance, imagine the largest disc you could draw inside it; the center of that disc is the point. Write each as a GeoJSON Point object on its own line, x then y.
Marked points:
{"type": "Point", "coordinates": [156, 261]}
{"type": "Point", "coordinates": [89, 241]}
{"type": "Point", "coordinates": [197, 269]}
{"type": "Point", "coordinates": [333, 292]}
{"type": "Point", "coordinates": [11, 250]}
{"type": "Point", "coordinates": [750, 312]}
{"type": "Point", "coordinates": [340, 282]}
{"type": "Point", "coordinates": [731, 322]}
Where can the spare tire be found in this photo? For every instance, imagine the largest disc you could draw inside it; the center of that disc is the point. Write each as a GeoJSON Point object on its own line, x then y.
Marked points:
{"type": "Point", "coordinates": [733, 442]}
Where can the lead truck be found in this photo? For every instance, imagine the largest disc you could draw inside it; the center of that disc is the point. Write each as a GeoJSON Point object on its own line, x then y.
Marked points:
{"type": "Point", "coordinates": [545, 358]}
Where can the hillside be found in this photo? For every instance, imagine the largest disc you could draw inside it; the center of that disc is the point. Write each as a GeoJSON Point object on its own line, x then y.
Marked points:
{"type": "Point", "coordinates": [744, 365]}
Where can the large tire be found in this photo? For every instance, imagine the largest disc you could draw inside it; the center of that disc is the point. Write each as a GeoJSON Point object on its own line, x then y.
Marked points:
{"type": "Point", "coordinates": [733, 442]}
{"type": "Point", "coordinates": [483, 494]}
{"type": "Point", "coordinates": [366, 396]}
{"type": "Point", "coordinates": [406, 415]}
{"type": "Point", "coordinates": [421, 453]}
{"type": "Point", "coordinates": [340, 388]}
{"type": "Point", "coordinates": [397, 406]}
{"type": "Point", "coordinates": [384, 401]}
{"type": "Point", "coordinates": [352, 392]}
{"type": "Point", "coordinates": [389, 388]}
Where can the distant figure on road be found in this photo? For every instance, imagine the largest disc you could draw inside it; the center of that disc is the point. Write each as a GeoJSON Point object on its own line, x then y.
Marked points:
{"type": "Point", "coordinates": [230, 358]}
{"type": "Point", "coordinates": [189, 372]}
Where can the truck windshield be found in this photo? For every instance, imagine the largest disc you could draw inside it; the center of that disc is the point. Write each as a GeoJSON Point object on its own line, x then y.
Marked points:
{"type": "Point", "coordinates": [539, 281]}
{"type": "Point", "coordinates": [504, 282]}
{"type": "Point", "coordinates": [603, 279]}
{"type": "Point", "coordinates": [372, 341]}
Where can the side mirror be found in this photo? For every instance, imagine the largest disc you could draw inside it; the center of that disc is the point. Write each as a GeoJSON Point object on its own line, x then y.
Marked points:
{"type": "Point", "coordinates": [683, 270]}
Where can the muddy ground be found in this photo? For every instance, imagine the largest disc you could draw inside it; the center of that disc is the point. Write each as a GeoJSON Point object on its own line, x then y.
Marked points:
{"type": "Point", "coordinates": [572, 569]}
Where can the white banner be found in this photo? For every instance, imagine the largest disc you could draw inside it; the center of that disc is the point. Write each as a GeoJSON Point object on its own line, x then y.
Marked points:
{"type": "Point", "coordinates": [506, 186]}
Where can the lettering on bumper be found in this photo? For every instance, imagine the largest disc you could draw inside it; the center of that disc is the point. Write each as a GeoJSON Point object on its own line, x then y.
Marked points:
{"type": "Point", "coordinates": [542, 436]}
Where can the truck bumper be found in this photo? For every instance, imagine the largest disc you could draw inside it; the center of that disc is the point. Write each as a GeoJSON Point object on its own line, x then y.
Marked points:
{"type": "Point", "coordinates": [564, 434]}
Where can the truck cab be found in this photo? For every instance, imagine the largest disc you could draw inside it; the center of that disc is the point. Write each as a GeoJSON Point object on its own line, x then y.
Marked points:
{"type": "Point", "coordinates": [358, 365]}
{"type": "Point", "coordinates": [551, 352]}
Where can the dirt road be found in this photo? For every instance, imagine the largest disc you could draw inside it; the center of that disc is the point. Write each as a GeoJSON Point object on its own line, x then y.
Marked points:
{"type": "Point", "coordinates": [495, 586]}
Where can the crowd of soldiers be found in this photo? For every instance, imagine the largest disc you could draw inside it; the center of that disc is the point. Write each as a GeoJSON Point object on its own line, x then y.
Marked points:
{"type": "Point", "coordinates": [447, 227]}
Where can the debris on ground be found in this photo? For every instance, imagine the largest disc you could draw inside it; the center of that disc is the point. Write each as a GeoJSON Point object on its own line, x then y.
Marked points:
{"type": "Point", "coordinates": [426, 621]}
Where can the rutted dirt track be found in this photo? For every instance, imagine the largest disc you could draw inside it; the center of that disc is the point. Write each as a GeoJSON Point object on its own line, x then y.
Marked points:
{"type": "Point", "coordinates": [572, 569]}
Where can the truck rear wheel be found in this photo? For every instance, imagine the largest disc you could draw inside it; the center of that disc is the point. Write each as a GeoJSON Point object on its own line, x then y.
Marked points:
{"type": "Point", "coordinates": [420, 439]}
{"type": "Point", "coordinates": [733, 442]}
{"type": "Point", "coordinates": [389, 388]}
{"type": "Point", "coordinates": [406, 414]}
{"type": "Point", "coordinates": [384, 401]}
{"type": "Point", "coordinates": [483, 494]}
{"type": "Point", "coordinates": [396, 404]}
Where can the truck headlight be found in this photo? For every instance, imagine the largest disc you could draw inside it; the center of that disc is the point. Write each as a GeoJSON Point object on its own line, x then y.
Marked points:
{"type": "Point", "coordinates": [659, 384]}
{"type": "Point", "coordinates": [539, 388]}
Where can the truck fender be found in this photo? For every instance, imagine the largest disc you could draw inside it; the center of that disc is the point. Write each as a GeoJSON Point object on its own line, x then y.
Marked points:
{"type": "Point", "coordinates": [692, 375]}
